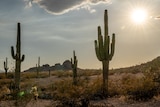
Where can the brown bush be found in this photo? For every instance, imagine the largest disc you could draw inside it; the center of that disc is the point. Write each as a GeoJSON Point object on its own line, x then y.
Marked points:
{"type": "Point", "coordinates": [139, 88]}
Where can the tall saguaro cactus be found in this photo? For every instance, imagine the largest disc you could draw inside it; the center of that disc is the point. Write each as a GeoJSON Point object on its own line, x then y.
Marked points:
{"type": "Point", "coordinates": [74, 62]}
{"type": "Point", "coordinates": [17, 57]}
{"type": "Point", "coordinates": [6, 67]}
{"type": "Point", "coordinates": [105, 51]}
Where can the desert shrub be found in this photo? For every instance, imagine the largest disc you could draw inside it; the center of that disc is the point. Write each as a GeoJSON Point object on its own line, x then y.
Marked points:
{"type": "Point", "coordinates": [114, 88]}
{"type": "Point", "coordinates": [5, 82]}
{"type": "Point", "coordinates": [62, 74]}
{"type": "Point", "coordinates": [26, 84]}
{"type": "Point", "coordinates": [64, 89]}
{"type": "Point", "coordinates": [10, 75]}
{"type": "Point", "coordinates": [23, 100]}
{"type": "Point", "coordinates": [139, 88]}
{"type": "Point", "coordinates": [95, 89]}
{"type": "Point", "coordinates": [84, 91]}
{"type": "Point", "coordinates": [2, 75]}
{"type": "Point", "coordinates": [28, 75]}
{"type": "Point", "coordinates": [89, 72]}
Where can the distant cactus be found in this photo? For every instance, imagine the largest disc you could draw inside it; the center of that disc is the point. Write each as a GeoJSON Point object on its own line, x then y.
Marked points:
{"type": "Point", "coordinates": [49, 72]}
{"type": "Point", "coordinates": [74, 62]}
{"type": "Point", "coordinates": [105, 51]}
{"type": "Point", "coordinates": [6, 67]}
{"type": "Point", "coordinates": [38, 67]}
{"type": "Point", "coordinates": [17, 57]}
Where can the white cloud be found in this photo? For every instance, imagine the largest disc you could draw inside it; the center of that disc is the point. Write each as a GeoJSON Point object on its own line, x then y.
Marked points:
{"type": "Point", "coordinates": [28, 3]}
{"type": "Point", "coordinates": [58, 7]}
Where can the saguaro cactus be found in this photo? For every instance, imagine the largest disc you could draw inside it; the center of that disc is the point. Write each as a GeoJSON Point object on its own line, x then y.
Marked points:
{"type": "Point", "coordinates": [49, 72]}
{"type": "Point", "coordinates": [74, 62]}
{"type": "Point", "coordinates": [17, 57]}
{"type": "Point", "coordinates": [105, 51]}
{"type": "Point", "coordinates": [6, 67]}
{"type": "Point", "coordinates": [38, 67]}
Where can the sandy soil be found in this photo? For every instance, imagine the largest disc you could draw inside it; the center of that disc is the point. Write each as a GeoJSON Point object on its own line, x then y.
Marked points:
{"type": "Point", "coordinates": [112, 102]}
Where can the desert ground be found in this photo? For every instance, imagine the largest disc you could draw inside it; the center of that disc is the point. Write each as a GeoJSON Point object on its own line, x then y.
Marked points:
{"type": "Point", "coordinates": [113, 101]}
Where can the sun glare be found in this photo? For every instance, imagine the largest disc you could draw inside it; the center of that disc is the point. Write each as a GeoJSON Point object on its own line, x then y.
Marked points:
{"type": "Point", "coordinates": [139, 15]}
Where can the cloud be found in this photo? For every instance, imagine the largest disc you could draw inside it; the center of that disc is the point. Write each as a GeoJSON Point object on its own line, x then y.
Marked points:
{"type": "Point", "coordinates": [157, 18]}
{"type": "Point", "coordinates": [63, 6]}
{"type": "Point", "coordinates": [28, 3]}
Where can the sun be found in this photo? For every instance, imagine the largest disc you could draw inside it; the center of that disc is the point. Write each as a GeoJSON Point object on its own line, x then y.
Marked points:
{"type": "Point", "coordinates": [139, 15]}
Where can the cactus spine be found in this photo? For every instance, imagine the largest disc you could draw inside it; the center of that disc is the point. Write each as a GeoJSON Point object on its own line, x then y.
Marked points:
{"type": "Point", "coordinates": [105, 51]}
{"type": "Point", "coordinates": [18, 58]}
{"type": "Point", "coordinates": [6, 67]}
{"type": "Point", "coordinates": [74, 62]}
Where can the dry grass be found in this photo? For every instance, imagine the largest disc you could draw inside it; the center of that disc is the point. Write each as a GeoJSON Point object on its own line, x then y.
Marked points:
{"type": "Point", "coordinates": [59, 85]}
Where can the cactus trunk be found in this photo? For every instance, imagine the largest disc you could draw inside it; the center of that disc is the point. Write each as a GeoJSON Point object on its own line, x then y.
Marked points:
{"type": "Point", "coordinates": [38, 67]}
{"type": "Point", "coordinates": [18, 58]}
{"type": "Point", "coordinates": [17, 74]}
{"type": "Point", "coordinates": [105, 51]}
{"type": "Point", "coordinates": [105, 65]}
{"type": "Point", "coordinates": [49, 72]}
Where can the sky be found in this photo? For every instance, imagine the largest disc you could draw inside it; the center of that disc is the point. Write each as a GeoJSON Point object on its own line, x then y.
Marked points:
{"type": "Point", "coordinates": [52, 29]}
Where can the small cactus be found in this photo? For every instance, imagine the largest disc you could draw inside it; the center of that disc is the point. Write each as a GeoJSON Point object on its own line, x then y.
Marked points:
{"type": "Point", "coordinates": [6, 67]}
{"type": "Point", "coordinates": [74, 62]}
{"type": "Point", "coordinates": [38, 67]}
{"type": "Point", "coordinates": [49, 72]}
{"type": "Point", "coordinates": [17, 56]}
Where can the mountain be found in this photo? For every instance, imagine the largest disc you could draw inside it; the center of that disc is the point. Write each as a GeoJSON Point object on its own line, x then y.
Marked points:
{"type": "Point", "coordinates": [65, 66]}
{"type": "Point", "coordinates": [153, 65]}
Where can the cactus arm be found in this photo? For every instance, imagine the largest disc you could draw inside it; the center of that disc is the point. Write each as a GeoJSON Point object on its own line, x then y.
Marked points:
{"type": "Point", "coordinates": [108, 45]}
{"type": "Point", "coordinates": [71, 61]}
{"type": "Point", "coordinates": [97, 51]}
{"type": "Point", "coordinates": [4, 65]}
{"type": "Point", "coordinates": [112, 47]}
{"type": "Point", "coordinates": [100, 41]}
{"type": "Point", "coordinates": [12, 53]}
{"type": "Point", "coordinates": [74, 56]}
{"type": "Point", "coordinates": [23, 57]}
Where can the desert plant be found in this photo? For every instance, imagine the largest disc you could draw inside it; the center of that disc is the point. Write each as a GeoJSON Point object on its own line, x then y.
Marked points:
{"type": "Point", "coordinates": [74, 68]}
{"type": "Point", "coordinates": [18, 58]}
{"type": "Point", "coordinates": [6, 67]}
{"type": "Point", "coordinates": [38, 67]}
{"type": "Point", "coordinates": [104, 51]}
{"type": "Point", "coordinates": [49, 72]}
{"type": "Point", "coordinates": [142, 88]}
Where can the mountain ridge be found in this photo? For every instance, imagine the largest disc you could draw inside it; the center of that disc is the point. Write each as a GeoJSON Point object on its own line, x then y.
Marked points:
{"type": "Point", "coordinates": [66, 65]}
{"type": "Point", "coordinates": [153, 65]}
{"type": "Point", "coordinates": [46, 67]}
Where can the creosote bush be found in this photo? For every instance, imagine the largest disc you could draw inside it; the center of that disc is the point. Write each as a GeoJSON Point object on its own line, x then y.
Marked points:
{"type": "Point", "coordinates": [65, 90]}
{"type": "Point", "coordinates": [143, 88]}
